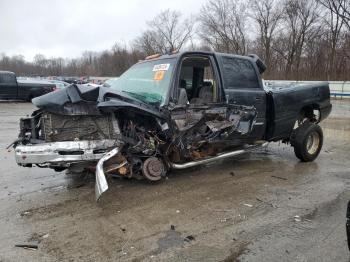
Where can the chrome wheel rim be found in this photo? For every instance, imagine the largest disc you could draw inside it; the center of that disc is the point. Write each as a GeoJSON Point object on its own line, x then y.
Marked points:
{"type": "Point", "coordinates": [312, 143]}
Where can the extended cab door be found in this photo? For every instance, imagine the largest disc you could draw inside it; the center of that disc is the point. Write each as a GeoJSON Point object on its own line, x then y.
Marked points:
{"type": "Point", "coordinates": [8, 85]}
{"type": "Point", "coordinates": [243, 86]}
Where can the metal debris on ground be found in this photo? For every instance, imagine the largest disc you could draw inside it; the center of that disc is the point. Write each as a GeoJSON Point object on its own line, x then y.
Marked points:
{"type": "Point", "coordinates": [297, 218]}
{"type": "Point", "coordinates": [25, 213]}
{"type": "Point", "coordinates": [266, 202]}
{"type": "Point", "coordinates": [27, 246]}
{"type": "Point", "coordinates": [189, 238]}
{"type": "Point", "coordinates": [248, 205]}
{"type": "Point", "coordinates": [279, 177]}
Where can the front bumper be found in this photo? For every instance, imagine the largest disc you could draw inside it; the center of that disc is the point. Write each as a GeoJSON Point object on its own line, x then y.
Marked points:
{"type": "Point", "coordinates": [62, 154]}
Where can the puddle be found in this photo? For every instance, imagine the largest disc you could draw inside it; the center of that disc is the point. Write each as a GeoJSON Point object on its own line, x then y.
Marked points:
{"type": "Point", "coordinates": [172, 239]}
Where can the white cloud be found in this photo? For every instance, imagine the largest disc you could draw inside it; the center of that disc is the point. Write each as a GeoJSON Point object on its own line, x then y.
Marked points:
{"type": "Point", "coordinates": [68, 27]}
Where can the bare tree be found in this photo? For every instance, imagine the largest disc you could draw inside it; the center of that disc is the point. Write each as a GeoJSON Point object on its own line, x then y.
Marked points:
{"type": "Point", "coordinates": [267, 15]}
{"type": "Point", "coordinates": [334, 20]}
{"type": "Point", "coordinates": [340, 9]}
{"type": "Point", "coordinates": [223, 26]}
{"type": "Point", "coordinates": [300, 26]}
{"type": "Point", "coordinates": [166, 33]}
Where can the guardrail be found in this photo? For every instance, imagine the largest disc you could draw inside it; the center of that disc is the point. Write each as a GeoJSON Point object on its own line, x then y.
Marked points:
{"type": "Point", "coordinates": [338, 88]}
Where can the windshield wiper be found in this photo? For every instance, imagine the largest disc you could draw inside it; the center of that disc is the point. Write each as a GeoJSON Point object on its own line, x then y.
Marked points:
{"type": "Point", "coordinates": [134, 94]}
{"type": "Point", "coordinates": [143, 98]}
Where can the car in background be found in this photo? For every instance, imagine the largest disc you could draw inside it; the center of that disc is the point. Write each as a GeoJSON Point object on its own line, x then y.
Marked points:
{"type": "Point", "coordinates": [74, 80]}
{"type": "Point", "coordinates": [59, 84]}
{"type": "Point", "coordinates": [12, 88]}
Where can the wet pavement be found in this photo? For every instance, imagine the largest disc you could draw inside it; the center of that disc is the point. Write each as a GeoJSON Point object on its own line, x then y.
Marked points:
{"type": "Point", "coordinates": [262, 206]}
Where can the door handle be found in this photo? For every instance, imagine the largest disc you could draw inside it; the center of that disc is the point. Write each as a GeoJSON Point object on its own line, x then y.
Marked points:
{"type": "Point", "coordinates": [258, 98]}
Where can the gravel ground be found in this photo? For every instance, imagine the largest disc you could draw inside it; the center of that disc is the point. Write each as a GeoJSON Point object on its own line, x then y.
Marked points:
{"type": "Point", "coordinates": [261, 206]}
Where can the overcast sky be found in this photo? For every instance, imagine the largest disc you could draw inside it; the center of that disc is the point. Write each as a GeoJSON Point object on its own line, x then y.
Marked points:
{"type": "Point", "coordinates": [66, 28]}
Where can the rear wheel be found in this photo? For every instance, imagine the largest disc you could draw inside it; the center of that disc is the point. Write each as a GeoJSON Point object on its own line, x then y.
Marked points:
{"type": "Point", "coordinates": [307, 141]}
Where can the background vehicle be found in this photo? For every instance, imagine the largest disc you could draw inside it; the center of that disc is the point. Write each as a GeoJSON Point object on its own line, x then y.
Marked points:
{"type": "Point", "coordinates": [172, 112]}
{"type": "Point", "coordinates": [59, 84]}
{"type": "Point", "coordinates": [12, 89]}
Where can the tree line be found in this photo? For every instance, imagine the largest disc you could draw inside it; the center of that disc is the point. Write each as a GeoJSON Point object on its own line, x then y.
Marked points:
{"type": "Point", "coordinates": [297, 39]}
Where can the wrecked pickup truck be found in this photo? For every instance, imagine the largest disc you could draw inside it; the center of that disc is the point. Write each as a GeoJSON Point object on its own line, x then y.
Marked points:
{"type": "Point", "coordinates": [171, 112]}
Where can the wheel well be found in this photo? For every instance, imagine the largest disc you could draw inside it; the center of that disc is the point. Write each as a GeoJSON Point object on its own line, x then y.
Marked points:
{"type": "Point", "coordinates": [310, 112]}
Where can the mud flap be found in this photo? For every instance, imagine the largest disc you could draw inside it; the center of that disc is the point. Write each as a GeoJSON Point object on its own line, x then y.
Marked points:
{"type": "Point", "coordinates": [101, 185]}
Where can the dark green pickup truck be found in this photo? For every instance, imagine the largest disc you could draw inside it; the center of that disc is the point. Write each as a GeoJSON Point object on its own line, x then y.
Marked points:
{"type": "Point", "coordinates": [25, 90]}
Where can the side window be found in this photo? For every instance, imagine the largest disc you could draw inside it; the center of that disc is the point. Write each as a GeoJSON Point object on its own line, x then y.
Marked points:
{"type": "Point", "coordinates": [7, 78]}
{"type": "Point", "coordinates": [239, 73]}
{"type": "Point", "coordinates": [198, 79]}
{"type": "Point", "coordinates": [187, 76]}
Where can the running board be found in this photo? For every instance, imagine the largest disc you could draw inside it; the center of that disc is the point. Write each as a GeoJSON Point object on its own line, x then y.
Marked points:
{"type": "Point", "coordinates": [218, 157]}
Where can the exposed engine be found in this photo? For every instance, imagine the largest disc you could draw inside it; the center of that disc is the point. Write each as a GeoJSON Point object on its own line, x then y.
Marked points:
{"type": "Point", "coordinates": [146, 144]}
{"type": "Point", "coordinates": [74, 130]}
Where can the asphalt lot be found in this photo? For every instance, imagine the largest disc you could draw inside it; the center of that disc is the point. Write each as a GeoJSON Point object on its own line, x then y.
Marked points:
{"type": "Point", "coordinates": [262, 206]}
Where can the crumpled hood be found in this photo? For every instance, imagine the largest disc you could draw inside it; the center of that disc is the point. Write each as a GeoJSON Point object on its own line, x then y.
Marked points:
{"type": "Point", "coordinates": [83, 100]}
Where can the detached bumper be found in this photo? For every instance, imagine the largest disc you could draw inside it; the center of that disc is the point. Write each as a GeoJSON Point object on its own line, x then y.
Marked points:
{"type": "Point", "coordinates": [62, 153]}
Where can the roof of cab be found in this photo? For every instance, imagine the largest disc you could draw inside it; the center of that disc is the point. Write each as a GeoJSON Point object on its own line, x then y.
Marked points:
{"type": "Point", "coordinates": [178, 54]}
{"type": "Point", "coordinates": [6, 72]}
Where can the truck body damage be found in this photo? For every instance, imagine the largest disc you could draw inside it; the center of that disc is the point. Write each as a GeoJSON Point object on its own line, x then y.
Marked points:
{"type": "Point", "coordinates": [121, 136]}
{"type": "Point", "coordinates": [171, 112]}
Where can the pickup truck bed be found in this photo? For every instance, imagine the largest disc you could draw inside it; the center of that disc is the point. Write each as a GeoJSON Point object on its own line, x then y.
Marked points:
{"type": "Point", "coordinates": [286, 102]}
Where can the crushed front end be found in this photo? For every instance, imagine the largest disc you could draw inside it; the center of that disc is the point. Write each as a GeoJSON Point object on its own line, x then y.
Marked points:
{"type": "Point", "coordinates": [122, 137]}
{"type": "Point", "coordinates": [59, 141]}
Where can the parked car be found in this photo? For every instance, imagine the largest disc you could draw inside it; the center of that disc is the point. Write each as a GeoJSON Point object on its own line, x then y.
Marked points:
{"type": "Point", "coordinates": [13, 89]}
{"type": "Point", "coordinates": [74, 80]}
{"type": "Point", "coordinates": [91, 85]}
{"type": "Point", "coordinates": [171, 112]}
{"type": "Point", "coordinates": [59, 84]}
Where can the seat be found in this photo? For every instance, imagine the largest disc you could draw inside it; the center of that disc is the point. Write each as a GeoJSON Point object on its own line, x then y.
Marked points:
{"type": "Point", "coordinates": [183, 98]}
{"type": "Point", "coordinates": [205, 95]}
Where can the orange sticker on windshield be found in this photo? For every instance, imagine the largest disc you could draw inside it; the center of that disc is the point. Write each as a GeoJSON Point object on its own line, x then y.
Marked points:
{"type": "Point", "coordinates": [159, 75]}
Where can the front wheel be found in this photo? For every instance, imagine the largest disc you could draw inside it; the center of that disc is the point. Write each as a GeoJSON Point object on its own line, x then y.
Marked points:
{"type": "Point", "coordinates": [307, 141]}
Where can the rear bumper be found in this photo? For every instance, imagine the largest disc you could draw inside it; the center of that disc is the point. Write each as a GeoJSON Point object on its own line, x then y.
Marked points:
{"type": "Point", "coordinates": [62, 153]}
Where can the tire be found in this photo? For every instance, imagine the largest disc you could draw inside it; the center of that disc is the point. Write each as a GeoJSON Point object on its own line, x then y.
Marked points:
{"type": "Point", "coordinates": [307, 141]}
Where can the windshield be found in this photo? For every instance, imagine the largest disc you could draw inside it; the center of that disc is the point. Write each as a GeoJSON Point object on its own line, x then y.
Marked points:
{"type": "Point", "coordinates": [148, 81]}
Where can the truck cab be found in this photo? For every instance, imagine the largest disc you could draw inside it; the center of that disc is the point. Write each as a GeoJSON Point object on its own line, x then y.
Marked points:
{"type": "Point", "coordinates": [8, 85]}
{"type": "Point", "coordinates": [210, 80]}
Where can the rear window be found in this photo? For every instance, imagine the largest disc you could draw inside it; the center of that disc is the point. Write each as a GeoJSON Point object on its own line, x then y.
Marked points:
{"type": "Point", "coordinates": [239, 73]}
{"type": "Point", "coordinates": [7, 78]}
